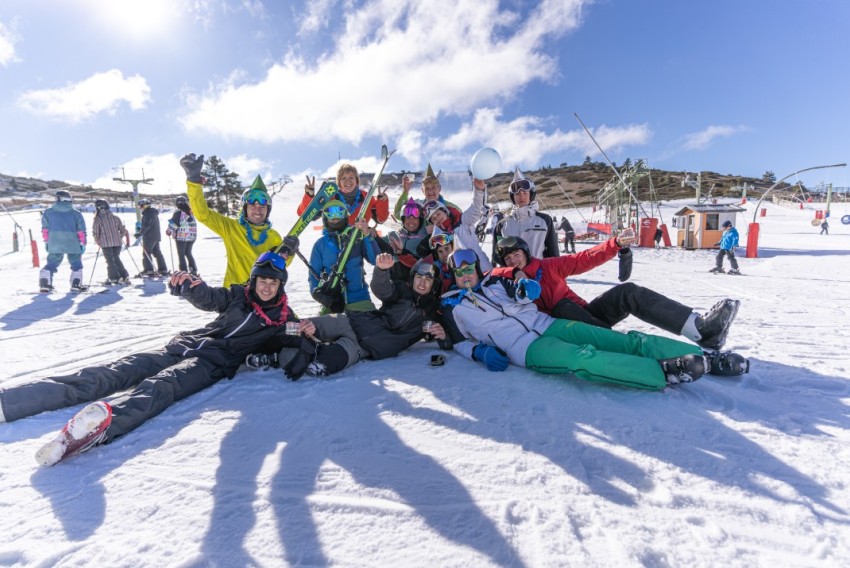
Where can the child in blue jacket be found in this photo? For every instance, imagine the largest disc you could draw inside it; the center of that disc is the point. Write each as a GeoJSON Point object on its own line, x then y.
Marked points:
{"type": "Point", "coordinates": [728, 243]}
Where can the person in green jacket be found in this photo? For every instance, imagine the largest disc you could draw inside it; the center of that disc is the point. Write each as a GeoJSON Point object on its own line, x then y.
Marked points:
{"type": "Point", "coordinates": [245, 237]}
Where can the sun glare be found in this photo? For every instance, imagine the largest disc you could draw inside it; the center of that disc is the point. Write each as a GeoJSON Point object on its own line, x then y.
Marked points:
{"type": "Point", "coordinates": [138, 20]}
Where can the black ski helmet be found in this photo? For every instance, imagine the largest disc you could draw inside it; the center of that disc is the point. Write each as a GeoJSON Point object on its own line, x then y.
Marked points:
{"type": "Point", "coordinates": [425, 267]}
{"type": "Point", "coordinates": [101, 205]}
{"type": "Point", "coordinates": [144, 202]}
{"type": "Point", "coordinates": [507, 245]}
{"type": "Point", "coordinates": [182, 203]}
{"type": "Point", "coordinates": [269, 265]}
{"type": "Point", "coordinates": [63, 195]}
{"type": "Point", "coordinates": [335, 215]}
{"type": "Point", "coordinates": [257, 193]}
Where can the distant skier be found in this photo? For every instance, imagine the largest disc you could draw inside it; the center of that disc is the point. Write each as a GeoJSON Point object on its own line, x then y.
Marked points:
{"type": "Point", "coordinates": [108, 230]}
{"type": "Point", "coordinates": [728, 243]}
{"type": "Point", "coordinates": [64, 232]}
{"type": "Point", "coordinates": [569, 236]}
{"type": "Point", "coordinates": [183, 228]}
{"type": "Point", "coordinates": [658, 236]}
{"type": "Point", "coordinates": [824, 227]}
{"type": "Point", "coordinates": [151, 236]}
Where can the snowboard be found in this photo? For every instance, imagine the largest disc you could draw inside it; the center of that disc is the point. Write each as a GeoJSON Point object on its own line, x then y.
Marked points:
{"type": "Point", "coordinates": [324, 194]}
{"type": "Point", "coordinates": [82, 432]}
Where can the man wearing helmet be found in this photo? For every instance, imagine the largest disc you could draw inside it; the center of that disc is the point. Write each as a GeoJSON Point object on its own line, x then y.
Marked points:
{"type": "Point", "coordinates": [335, 342]}
{"type": "Point", "coordinates": [184, 230]}
{"type": "Point", "coordinates": [498, 317]}
{"type": "Point", "coordinates": [525, 221]}
{"type": "Point", "coordinates": [245, 237]}
{"type": "Point", "coordinates": [557, 299]}
{"type": "Point", "coordinates": [151, 237]}
{"type": "Point", "coordinates": [249, 316]}
{"type": "Point", "coordinates": [107, 231]}
{"type": "Point", "coordinates": [64, 232]}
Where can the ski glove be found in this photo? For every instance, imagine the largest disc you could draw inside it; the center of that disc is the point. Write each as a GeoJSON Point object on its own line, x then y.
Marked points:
{"type": "Point", "coordinates": [625, 255]}
{"type": "Point", "coordinates": [297, 366]}
{"type": "Point", "coordinates": [192, 166]}
{"type": "Point", "coordinates": [528, 288]}
{"type": "Point", "coordinates": [493, 357]}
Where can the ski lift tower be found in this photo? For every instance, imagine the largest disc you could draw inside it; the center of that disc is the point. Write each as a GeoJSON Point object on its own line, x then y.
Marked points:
{"type": "Point", "coordinates": [617, 196]}
{"type": "Point", "coordinates": [135, 183]}
{"type": "Point", "coordinates": [696, 184]}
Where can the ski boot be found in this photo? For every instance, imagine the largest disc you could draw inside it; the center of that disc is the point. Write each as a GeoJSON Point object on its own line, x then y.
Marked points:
{"type": "Point", "coordinates": [726, 363]}
{"type": "Point", "coordinates": [684, 369]}
{"type": "Point", "coordinates": [734, 271]}
{"type": "Point", "coordinates": [261, 361]}
{"type": "Point", "coordinates": [717, 270]}
{"type": "Point", "coordinates": [45, 281]}
{"type": "Point", "coordinates": [82, 432]}
{"type": "Point", "coordinates": [713, 326]}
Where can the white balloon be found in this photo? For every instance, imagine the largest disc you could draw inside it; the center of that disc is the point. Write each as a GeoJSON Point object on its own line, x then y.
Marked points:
{"type": "Point", "coordinates": [485, 163]}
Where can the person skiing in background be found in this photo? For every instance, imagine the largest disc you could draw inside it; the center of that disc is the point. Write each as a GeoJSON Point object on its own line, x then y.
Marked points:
{"type": "Point", "coordinates": [493, 320]}
{"type": "Point", "coordinates": [63, 230]}
{"type": "Point", "coordinates": [350, 194]}
{"type": "Point", "coordinates": [245, 237]}
{"type": "Point", "coordinates": [525, 221]}
{"type": "Point", "coordinates": [183, 228]}
{"type": "Point", "coordinates": [150, 233]}
{"type": "Point", "coordinates": [108, 231]}
{"type": "Point", "coordinates": [249, 316]}
{"type": "Point", "coordinates": [824, 227]}
{"type": "Point", "coordinates": [728, 243]}
{"type": "Point", "coordinates": [431, 190]}
{"type": "Point", "coordinates": [659, 234]}
{"type": "Point", "coordinates": [325, 256]}
{"type": "Point", "coordinates": [569, 236]}
{"type": "Point", "coordinates": [557, 299]}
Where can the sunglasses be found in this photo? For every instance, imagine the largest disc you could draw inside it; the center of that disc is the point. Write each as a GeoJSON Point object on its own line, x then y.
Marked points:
{"type": "Point", "coordinates": [425, 270]}
{"type": "Point", "coordinates": [335, 213]}
{"type": "Point", "coordinates": [466, 270]}
{"type": "Point", "coordinates": [257, 197]}
{"type": "Point", "coordinates": [272, 258]}
{"type": "Point", "coordinates": [520, 185]}
{"type": "Point", "coordinates": [439, 240]}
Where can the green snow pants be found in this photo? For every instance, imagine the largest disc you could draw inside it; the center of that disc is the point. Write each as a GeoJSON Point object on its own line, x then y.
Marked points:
{"type": "Point", "coordinates": [603, 355]}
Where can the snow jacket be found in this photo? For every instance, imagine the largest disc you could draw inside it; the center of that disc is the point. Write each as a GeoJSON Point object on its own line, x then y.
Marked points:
{"type": "Point", "coordinates": [183, 226]}
{"type": "Point", "coordinates": [551, 273]}
{"type": "Point", "coordinates": [149, 230]}
{"type": "Point", "coordinates": [398, 323]}
{"type": "Point", "coordinates": [238, 331]}
{"type": "Point", "coordinates": [63, 229]}
{"type": "Point", "coordinates": [567, 227]}
{"type": "Point", "coordinates": [534, 227]}
{"type": "Point", "coordinates": [107, 229]}
{"type": "Point", "coordinates": [729, 240]}
{"type": "Point", "coordinates": [378, 209]}
{"type": "Point", "coordinates": [241, 252]}
{"type": "Point", "coordinates": [493, 315]}
{"type": "Point", "coordinates": [324, 257]}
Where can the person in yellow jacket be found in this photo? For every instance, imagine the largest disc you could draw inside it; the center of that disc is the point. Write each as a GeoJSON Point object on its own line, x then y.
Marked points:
{"type": "Point", "coordinates": [245, 237]}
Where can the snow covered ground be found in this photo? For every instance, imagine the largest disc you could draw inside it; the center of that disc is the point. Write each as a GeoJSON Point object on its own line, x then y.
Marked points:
{"type": "Point", "coordinates": [396, 463]}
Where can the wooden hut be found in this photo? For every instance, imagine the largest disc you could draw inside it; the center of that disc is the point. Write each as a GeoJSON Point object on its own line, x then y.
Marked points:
{"type": "Point", "coordinates": [701, 226]}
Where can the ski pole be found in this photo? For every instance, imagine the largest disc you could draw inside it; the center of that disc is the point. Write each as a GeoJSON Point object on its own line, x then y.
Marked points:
{"type": "Point", "coordinates": [171, 251]}
{"type": "Point", "coordinates": [94, 265]}
{"type": "Point", "coordinates": [127, 248]}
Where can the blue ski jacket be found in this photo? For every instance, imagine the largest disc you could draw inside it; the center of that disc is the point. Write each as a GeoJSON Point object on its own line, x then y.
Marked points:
{"type": "Point", "coordinates": [63, 229]}
{"type": "Point", "coordinates": [324, 256]}
{"type": "Point", "coordinates": [729, 240]}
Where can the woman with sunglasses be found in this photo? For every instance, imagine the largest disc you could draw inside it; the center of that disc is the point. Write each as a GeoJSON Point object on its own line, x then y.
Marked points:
{"type": "Point", "coordinates": [249, 317]}
{"type": "Point", "coordinates": [245, 237]}
{"type": "Point", "coordinates": [498, 317]}
{"type": "Point", "coordinates": [325, 256]}
{"type": "Point", "coordinates": [525, 221]}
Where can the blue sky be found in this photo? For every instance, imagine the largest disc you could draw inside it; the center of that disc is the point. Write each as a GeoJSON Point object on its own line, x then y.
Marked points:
{"type": "Point", "coordinates": [289, 88]}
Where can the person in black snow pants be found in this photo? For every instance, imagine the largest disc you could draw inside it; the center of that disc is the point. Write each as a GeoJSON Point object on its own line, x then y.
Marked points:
{"type": "Point", "coordinates": [151, 235]}
{"type": "Point", "coordinates": [183, 228]}
{"type": "Point", "coordinates": [249, 316]}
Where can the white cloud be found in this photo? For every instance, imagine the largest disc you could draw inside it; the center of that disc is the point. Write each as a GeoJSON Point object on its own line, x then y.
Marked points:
{"type": "Point", "coordinates": [7, 45]}
{"type": "Point", "coordinates": [398, 66]}
{"type": "Point", "coordinates": [523, 141]}
{"type": "Point", "coordinates": [102, 92]}
{"type": "Point", "coordinates": [316, 18]}
{"type": "Point", "coordinates": [701, 140]}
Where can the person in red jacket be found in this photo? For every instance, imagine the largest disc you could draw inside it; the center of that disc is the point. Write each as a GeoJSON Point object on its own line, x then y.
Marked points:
{"type": "Point", "coordinates": [351, 195]}
{"type": "Point", "coordinates": [559, 300]}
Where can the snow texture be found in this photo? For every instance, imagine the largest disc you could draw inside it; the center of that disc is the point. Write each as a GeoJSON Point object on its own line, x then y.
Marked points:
{"type": "Point", "coordinates": [396, 463]}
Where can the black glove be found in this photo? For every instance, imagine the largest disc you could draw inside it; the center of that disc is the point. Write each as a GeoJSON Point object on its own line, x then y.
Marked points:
{"type": "Point", "coordinates": [329, 297]}
{"type": "Point", "coordinates": [290, 245]}
{"type": "Point", "coordinates": [192, 166]}
{"type": "Point", "coordinates": [625, 255]}
{"type": "Point", "coordinates": [137, 235]}
{"type": "Point", "coordinates": [297, 366]}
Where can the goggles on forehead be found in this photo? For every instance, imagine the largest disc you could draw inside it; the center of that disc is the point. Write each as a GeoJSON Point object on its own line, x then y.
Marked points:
{"type": "Point", "coordinates": [256, 197]}
{"type": "Point", "coordinates": [465, 270]}
{"type": "Point", "coordinates": [507, 245]}
{"type": "Point", "coordinates": [439, 240]}
{"type": "Point", "coordinates": [425, 270]}
{"type": "Point", "coordinates": [272, 258]}
{"type": "Point", "coordinates": [520, 185]}
{"type": "Point", "coordinates": [412, 210]}
{"type": "Point", "coordinates": [335, 212]}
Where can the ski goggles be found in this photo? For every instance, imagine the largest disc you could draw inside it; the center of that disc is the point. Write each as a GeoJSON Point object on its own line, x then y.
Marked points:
{"type": "Point", "coordinates": [440, 240]}
{"type": "Point", "coordinates": [425, 270]}
{"type": "Point", "coordinates": [520, 185]}
{"type": "Point", "coordinates": [256, 197]}
{"type": "Point", "coordinates": [412, 210]}
{"type": "Point", "coordinates": [335, 213]}
{"type": "Point", "coordinates": [432, 207]}
{"type": "Point", "coordinates": [507, 245]}
{"type": "Point", "coordinates": [460, 257]}
{"type": "Point", "coordinates": [467, 270]}
{"type": "Point", "coordinates": [270, 257]}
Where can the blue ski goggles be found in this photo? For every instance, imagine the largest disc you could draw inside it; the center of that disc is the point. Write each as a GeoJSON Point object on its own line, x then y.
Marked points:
{"type": "Point", "coordinates": [460, 257]}
{"type": "Point", "coordinates": [272, 258]}
{"type": "Point", "coordinates": [335, 213]}
{"type": "Point", "coordinates": [256, 197]}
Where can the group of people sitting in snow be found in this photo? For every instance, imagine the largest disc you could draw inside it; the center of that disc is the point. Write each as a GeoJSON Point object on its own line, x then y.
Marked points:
{"type": "Point", "coordinates": [432, 281]}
